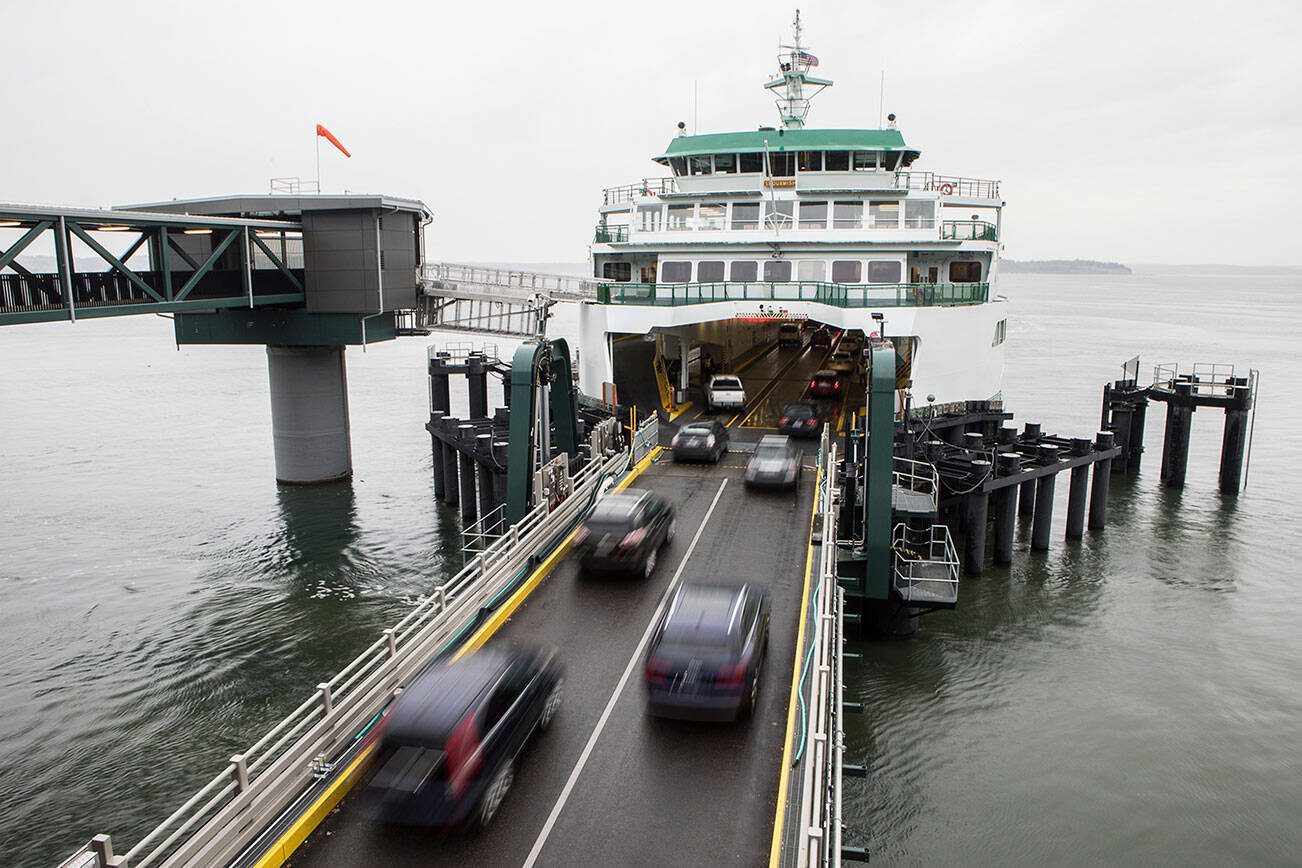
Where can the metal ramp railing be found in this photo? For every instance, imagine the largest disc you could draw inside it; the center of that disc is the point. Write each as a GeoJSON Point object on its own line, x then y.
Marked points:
{"type": "Point", "coordinates": [926, 566]}
{"type": "Point", "coordinates": [915, 486]}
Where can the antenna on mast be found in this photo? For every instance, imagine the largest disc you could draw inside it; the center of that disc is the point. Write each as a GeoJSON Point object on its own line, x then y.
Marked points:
{"type": "Point", "coordinates": [794, 64]}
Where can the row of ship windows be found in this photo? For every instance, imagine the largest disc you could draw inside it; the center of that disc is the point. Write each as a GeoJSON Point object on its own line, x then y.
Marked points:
{"type": "Point", "coordinates": [782, 213]}
{"type": "Point", "coordinates": [785, 270]}
{"type": "Point", "coordinates": [785, 163]}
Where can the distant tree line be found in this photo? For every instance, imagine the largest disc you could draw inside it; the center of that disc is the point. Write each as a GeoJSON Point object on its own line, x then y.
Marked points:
{"type": "Point", "coordinates": [1062, 266]}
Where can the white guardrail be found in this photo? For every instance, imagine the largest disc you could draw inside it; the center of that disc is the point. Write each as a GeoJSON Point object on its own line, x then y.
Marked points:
{"type": "Point", "coordinates": [260, 784]}
{"type": "Point", "coordinates": [819, 836]}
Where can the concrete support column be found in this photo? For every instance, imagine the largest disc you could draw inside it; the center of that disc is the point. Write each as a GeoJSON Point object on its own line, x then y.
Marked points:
{"type": "Point", "coordinates": [309, 414]}
{"type": "Point", "coordinates": [1040, 525]}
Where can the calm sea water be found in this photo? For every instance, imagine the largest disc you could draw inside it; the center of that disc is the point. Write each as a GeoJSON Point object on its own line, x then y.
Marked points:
{"type": "Point", "coordinates": [1132, 698]}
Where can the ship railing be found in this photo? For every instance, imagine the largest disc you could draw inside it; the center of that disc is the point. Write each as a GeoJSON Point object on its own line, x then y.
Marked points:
{"type": "Point", "coordinates": [1205, 378]}
{"type": "Point", "coordinates": [645, 188]}
{"type": "Point", "coordinates": [835, 294]}
{"type": "Point", "coordinates": [948, 185]}
{"type": "Point", "coordinates": [968, 230]}
{"type": "Point", "coordinates": [336, 724]}
{"type": "Point", "coordinates": [821, 747]}
{"type": "Point", "coordinates": [458, 351]}
{"type": "Point", "coordinates": [926, 565]}
{"type": "Point", "coordinates": [608, 234]}
{"type": "Point", "coordinates": [455, 275]}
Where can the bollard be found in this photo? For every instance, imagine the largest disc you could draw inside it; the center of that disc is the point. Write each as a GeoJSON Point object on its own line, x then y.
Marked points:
{"type": "Point", "coordinates": [1031, 432]}
{"type": "Point", "coordinates": [1099, 487]}
{"type": "Point", "coordinates": [1006, 436]}
{"type": "Point", "coordinates": [973, 441]}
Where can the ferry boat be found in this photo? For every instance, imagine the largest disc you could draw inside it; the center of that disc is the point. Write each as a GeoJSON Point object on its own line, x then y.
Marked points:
{"type": "Point", "coordinates": [837, 227]}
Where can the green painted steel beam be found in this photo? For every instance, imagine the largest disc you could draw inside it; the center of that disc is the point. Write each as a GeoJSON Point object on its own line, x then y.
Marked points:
{"type": "Point", "coordinates": [207, 264]}
{"type": "Point", "coordinates": [182, 252]}
{"type": "Point", "coordinates": [283, 328]}
{"type": "Point", "coordinates": [164, 264]}
{"type": "Point", "coordinates": [180, 307]}
{"type": "Point", "coordinates": [21, 244]}
{"type": "Point", "coordinates": [880, 420]}
{"type": "Point", "coordinates": [275, 260]}
{"type": "Point", "coordinates": [115, 263]}
{"type": "Point", "coordinates": [526, 365]}
{"type": "Point", "coordinates": [136, 245]}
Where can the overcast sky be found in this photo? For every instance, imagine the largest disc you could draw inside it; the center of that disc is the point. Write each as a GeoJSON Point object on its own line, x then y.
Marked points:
{"type": "Point", "coordinates": [1140, 132]}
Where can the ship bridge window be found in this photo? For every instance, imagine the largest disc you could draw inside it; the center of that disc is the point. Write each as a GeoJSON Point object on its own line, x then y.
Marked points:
{"type": "Point", "coordinates": [621, 272]}
{"type": "Point", "coordinates": [709, 271]}
{"type": "Point", "coordinates": [814, 270]}
{"type": "Point", "coordinates": [648, 218]}
{"type": "Point", "coordinates": [725, 163]}
{"type": "Point", "coordinates": [885, 271]}
{"type": "Point", "coordinates": [920, 213]}
{"type": "Point", "coordinates": [965, 272]}
{"type": "Point", "coordinates": [884, 215]}
{"type": "Point", "coordinates": [700, 165]}
{"type": "Point", "coordinates": [777, 271]}
{"type": "Point", "coordinates": [890, 162]}
{"type": "Point", "coordinates": [713, 215]}
{"type": "Point", "coordinates": [865, 161]}
{"type": "Point", "coordinates": [750, 163]}
{"type": "Point", "coordinates": [743, 269]}
{"type": "Point", "coordinates": [782, 165]}
{"type": "Point", "coordinates": [836, 161]}
{"type": "Point", "coordinates": [847, 271]}
{"type": "Point", "coordinates": [813, 215]}
{"type": "Point", "coordinates": [847, 215]}
{"type": "Point", "coordinates": [745, 215]}
{"type": "Point", "coordinates": [779, 214]}
{"type": "Point", "coordinates": [679, 218]}
{"type": "Point", "coordinates": [811, 161]}
{"type": "Point", "coordinates": [675, 272]}
{"type": "Point", "coordinates": [679, 165]}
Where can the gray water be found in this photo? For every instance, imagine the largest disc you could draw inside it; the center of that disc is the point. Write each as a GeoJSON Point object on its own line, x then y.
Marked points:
{"type": "Point", "coordinates": [1132, 698]}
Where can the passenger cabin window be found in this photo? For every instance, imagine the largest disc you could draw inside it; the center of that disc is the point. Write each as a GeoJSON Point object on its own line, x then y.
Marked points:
{"type": "Point", "coordinates": [814, 270]}
{"type": "Point", "coordinates": [836, 161]}
{"type": "Point", "coordinates": [709, 271]}
{"type": "Point", "coordinates": [919, 213]}
{"type": "Point", "coordinates": [782, 165]}
{"type": "Point", "coordinates": [680, 218]}
{"type": "Point", "coordinates": [811, 161]}
{"type": "Point", "coordinates": [618, 271]}
{"type": "Point", "coordinates": [745, 215]}
{"type": "Point", "coordinates": [847, 215]}
{"type": "Point", "coordinates": [777, 271]}
{"type": "Point", "coordinates": [865, 161]}
{"type": "Point", "coordinates": [725, 163]}
{"type": "Point", "coordinates": [847, 271]}
{"type": "Point", "coordinates": [675, 272]}
{"type": "Point", "coordinates": [700, 165]}
{"type": "Point", "coordinates": [884, 271]}
{"type": "Point", "coordinates": [883, 215]}
{"type": "Point", "coordinates": [743, 270]}
{"type": "Point", "coordinates": [965, 272]}
{"type": "Point", "coordinates": [713, 215]}
{"type": "Point", "coordinates": [648, 218]}
{"type": "Point", "coordinates": [679, 165]}
{"type": "Point", "coordinates": [751, 163]}
{"type": "Point", "coordinates": [813, 215]}
{"type": "Point", "coordinates": [779, 214]}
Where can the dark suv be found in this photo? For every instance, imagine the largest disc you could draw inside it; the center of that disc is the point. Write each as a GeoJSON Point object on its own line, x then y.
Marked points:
{"type": "Point", "coordinates": [449, 745]}
{"type": "Point", "coordinates": [821, 339]}
{"type": "Point", "coordinates": [624, 533]}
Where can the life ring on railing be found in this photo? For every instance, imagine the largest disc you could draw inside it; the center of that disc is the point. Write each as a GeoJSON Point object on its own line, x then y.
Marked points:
{"type": "Point", "coordinates": [947, 189]}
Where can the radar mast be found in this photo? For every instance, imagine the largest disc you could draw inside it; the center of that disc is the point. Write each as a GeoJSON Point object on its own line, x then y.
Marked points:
{"type": "Point", "coordinates": [793, 84]}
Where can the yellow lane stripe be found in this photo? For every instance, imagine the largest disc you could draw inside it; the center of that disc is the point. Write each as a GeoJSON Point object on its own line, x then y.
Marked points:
{"type": "Point", "coordinates": [775, 849]}
{"type": "Point", "coordinates": [305, 824]}
{"type": "Point", "coordinates": [680, 411]}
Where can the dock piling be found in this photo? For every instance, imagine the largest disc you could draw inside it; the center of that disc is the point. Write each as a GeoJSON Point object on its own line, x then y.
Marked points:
{"type": "Point", "coordinates": [1008, 464]}
{"type": "Point", "coordinates": [1099, 488]}
{"type": "Point", "coordinates": [1175, 445]}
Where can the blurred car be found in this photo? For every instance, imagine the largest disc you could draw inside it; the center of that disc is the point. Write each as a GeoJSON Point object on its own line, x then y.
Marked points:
{"type": "Point", "coordinates": [852, 341]}
{"type": "Point", "coordinates": [821, 339]}
{"type": "Point", "coordinates": [789, 335]}
{"type": "Point", "coordinates": [801, 419]}
{"type": "Point", "coordinates": [775, 463]}
{"type": "Point", "coordinates": [725, 392]}
{"type": "Point", "coordinates": [624, 533]}
{"type": "Point", "coordinates": [825, 384]}
{"type": "Point", "coordinates": [707, 653]}
{"type": "Point", "coordinates": [843, 362]}
{"type": "Point", "coordinates": [449, 745]}
{"type": "Point", "coordinates": [705, 440]}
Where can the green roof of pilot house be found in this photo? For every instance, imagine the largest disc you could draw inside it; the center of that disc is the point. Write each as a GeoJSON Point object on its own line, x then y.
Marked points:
{"type": "Point", "coordinates": [786, 140]}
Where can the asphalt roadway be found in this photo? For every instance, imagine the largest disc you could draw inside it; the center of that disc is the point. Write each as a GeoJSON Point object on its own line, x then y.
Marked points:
{"type": "Point", "coordinates": [608, 784]}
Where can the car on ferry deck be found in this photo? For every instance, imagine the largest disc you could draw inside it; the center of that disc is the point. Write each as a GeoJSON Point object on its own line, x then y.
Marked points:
{"type": "Point", "coordinates": [802, 419]}
{"type": "Point", "coordinates": [843, 362]}
{"type": "Point", "coordinates": [449, 745]}
{"type": "Point", "coordinates": [725, 392]}
{"type": "Point", "coordinates": [624, 533]}
{"type": "Point", "coordinates": [821, 339]}
{"type": "Point", "coordinates": [706, 655]}
{"type": "Point", "coordinates": [789, 335]}
{"type": "Point", "coordinates": [825, 384]}
{"type": "Point", "coordinates": [774, 464]}
{"type": "Point", "coordinates": [702, 440]}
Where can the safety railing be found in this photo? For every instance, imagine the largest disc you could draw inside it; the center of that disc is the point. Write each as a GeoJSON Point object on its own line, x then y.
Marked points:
{"type": "Point", "coordinates": [260, 784]}
{"type": "Point", "coordinates": [835, 294]}
{"type": "Point", "coordinates": [454, 275]}
{"type": "Point", "coordinates": [1205, 378]}
{"type": "Point", "coordinates": [919, 477]}
{"type": "Point", "coordinates": [818, 840]}
{"type": "Point", "coordinates": [608, 234]}
{"type": "Point", "coordinates": [948, 185]}
{"type": "Point", "coordinates": [646, 437]}
{"type": "Point", "coordinates": [926, 565]}
{"type": "Point", "coordinates": [639, 189]}
{"type": "Point", "coordinates": [968, 230]}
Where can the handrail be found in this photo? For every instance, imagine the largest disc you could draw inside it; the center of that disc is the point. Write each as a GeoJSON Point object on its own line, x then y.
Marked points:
{"type": "Point", "coordinates": [647, 187]}
{"type": "Point", "coordinates": [1204, 378]}
{"type": "Point", "coordinates": [836, 294]}
{"type": "Point", "coordinates": [609, 234]}
{"type": "Point", "coordinates": [919, 555]}
{"type": "Point", "coordinates": [232, 809]}
{"type": "Point", "coordinates": [968, 230]}
{"type": "Point", "coordinates": [918, 476]}
{"type": "Point", "coordinates": [948, 185]}
{"type": "Point", "coordinates": [563, 286]}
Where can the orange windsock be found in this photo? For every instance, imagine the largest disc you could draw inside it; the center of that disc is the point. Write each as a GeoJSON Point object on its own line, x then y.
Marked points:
{"type": "Point", "coordinates": [330, 137]}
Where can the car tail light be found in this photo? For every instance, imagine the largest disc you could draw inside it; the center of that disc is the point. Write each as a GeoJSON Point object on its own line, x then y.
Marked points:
{"type": "Point", "coordinates": [633, 538]}
{"type": "Point", "coordinates": [813, 384]}
{"type": "Point", "coordinates": [464, 755]}
{"type": "Point", "coordinates": [784, 420]}
{"type": "Point", "coordinates": [731, 675]}
{"type": "Point", "coordinates": [657, 671]}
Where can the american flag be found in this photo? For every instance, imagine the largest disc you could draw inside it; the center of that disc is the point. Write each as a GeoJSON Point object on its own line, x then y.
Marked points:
{"type": "Point", "coordinates": [806, 58]}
